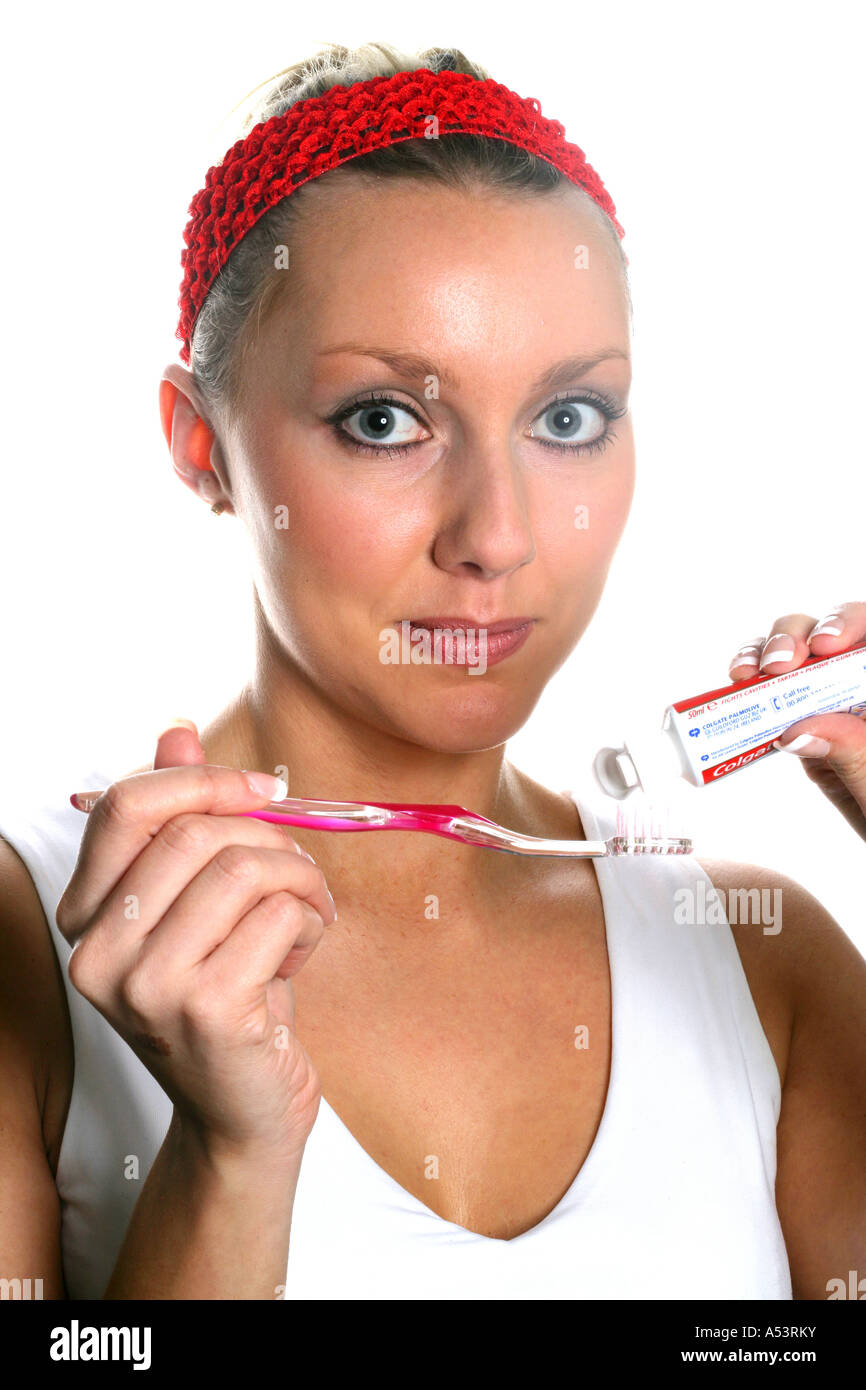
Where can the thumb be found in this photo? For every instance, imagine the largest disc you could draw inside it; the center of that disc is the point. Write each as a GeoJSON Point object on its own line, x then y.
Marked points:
{"type": "Point", "coordinates": [178, 746]}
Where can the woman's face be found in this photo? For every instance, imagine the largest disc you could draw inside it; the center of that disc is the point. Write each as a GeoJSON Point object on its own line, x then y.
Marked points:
{"type": "Point", "coordinates": [475, 490]}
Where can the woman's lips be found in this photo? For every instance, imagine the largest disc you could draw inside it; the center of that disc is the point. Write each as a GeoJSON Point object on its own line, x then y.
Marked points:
{"type": "Point", "coordinates": [462, 622]}
{"type": "Point", "coordinates": [475, 644]}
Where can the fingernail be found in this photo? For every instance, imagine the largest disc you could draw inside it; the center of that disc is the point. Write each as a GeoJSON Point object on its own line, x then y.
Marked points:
{"type": "Point", "coordinates": [782, 653]}
{"type": "Point", "coordinates": [264, 784]}
{"type": "Point", "coordinates": [825, 628]}
{"type": "Point", "coordinates": [180, 724]}
{"type": "Point", "coordinates": [806, 745]}
{"type": "Point", "coordinates": [747, 654]}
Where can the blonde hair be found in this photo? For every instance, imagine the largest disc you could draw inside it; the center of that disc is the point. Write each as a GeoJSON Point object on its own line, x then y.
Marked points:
{"type": "Point", "coordinates": [247, 286]}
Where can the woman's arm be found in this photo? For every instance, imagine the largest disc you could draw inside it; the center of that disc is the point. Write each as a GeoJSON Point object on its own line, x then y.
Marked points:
{"type": "Point", "coordinates": [35, 1046]}
{"type": "Point", "coordinates": [207, 1224]}
{"type": "Point", "coordinates": [813, 970]}
{"type": "Point", "coordinates": [821, 1185]}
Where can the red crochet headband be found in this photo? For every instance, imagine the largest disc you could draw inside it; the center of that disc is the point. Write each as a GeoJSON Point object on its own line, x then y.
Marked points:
{"type": "Point", "coordinates": [317, 134]}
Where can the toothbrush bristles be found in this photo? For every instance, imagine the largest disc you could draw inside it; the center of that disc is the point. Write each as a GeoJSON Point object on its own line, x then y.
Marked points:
{"type": "Point", "coordinates": [644, 827]}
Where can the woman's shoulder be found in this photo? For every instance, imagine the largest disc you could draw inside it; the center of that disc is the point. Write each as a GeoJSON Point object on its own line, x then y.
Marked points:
{"type": "Point", "coordinates": [39, 840]}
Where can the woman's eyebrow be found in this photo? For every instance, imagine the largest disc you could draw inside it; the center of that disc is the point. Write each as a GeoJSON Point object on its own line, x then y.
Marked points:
{"type": "Point", "coordinates": [415, 365]}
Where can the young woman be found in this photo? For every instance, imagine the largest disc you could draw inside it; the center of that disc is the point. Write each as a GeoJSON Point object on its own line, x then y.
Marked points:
{"type": "Point", "coordinates": [489, 1076]}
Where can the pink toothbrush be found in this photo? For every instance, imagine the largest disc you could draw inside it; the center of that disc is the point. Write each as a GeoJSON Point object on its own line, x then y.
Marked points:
{"type": "Point", "coordinates": [637, 833]}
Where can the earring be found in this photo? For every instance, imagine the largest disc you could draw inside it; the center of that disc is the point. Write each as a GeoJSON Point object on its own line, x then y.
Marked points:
{"type": "Point", "coordinates": [218, 507]}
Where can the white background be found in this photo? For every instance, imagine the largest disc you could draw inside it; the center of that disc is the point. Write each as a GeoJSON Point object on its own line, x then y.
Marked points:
{"type": "Point", "coordinates": [730, 140]}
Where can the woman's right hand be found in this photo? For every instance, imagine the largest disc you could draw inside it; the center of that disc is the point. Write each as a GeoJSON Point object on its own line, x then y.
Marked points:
{"type": "Point", "coordinates": [187, 920]}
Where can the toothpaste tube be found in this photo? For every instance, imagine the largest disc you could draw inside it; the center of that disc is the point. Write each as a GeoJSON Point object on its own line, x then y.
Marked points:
{"type": "Point", "coordinates": [705, 738]}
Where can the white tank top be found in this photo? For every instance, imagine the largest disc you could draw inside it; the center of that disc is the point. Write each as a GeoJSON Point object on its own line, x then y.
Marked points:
{"type": "Point", "coordinates": [675, 1199]}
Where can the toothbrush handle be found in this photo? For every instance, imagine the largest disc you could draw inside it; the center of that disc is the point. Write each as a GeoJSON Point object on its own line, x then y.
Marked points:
{"type": "Point", "coordinates": [324, 815]}
{"type": "Point", "coordinates": [353, 815]}
{"type": "Point", "coordinates": [337, 815]}
{"type": "Point", "coordinates": [491, 836]}
{"type": "Point", "coordinates": [454, 822]}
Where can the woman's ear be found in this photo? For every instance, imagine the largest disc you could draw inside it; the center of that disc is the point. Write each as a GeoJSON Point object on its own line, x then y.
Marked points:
{"type": "Point", "coordinates": [192, 443]}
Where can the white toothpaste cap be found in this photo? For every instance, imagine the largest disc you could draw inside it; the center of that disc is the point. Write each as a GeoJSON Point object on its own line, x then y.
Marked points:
{"type": "Point", "coordinates": [647, 760]}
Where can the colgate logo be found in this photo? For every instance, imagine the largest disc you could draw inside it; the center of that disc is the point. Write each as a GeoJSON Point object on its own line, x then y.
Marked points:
{"type": "Point", "coordinates": [739, 762]}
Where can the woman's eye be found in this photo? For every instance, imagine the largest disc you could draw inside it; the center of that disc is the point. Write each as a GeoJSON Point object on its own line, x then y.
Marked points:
{"type": "Point", "coordinates": [573, 422]}
{"type": "Point", "coordinates": [376, 425]}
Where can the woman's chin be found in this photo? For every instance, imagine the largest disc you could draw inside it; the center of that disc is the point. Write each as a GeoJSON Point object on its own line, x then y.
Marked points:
{"type": "Point", "coordinates": [464, 721]}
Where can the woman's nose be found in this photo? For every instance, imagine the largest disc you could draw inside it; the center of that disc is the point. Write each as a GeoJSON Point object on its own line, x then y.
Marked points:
{"type": "Point", "coordinates": [486, 524]}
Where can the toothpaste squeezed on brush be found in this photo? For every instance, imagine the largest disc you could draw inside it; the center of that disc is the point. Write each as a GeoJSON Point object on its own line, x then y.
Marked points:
{"type": "Point", "coordinates": [705, 738]}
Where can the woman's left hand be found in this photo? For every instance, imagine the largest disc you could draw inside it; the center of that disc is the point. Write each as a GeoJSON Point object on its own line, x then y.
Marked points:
{"type": "Point", "coordinates": [832, 746]}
